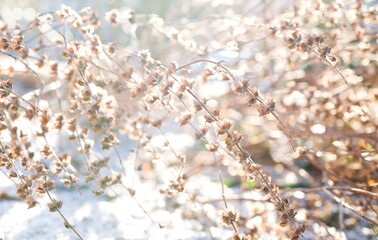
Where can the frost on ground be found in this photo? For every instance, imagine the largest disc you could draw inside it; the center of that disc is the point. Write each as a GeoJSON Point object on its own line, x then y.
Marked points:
{"type": "Point", "coordinates": [121, 217]}
{"type": "Point", "coordinates": [94, 218]}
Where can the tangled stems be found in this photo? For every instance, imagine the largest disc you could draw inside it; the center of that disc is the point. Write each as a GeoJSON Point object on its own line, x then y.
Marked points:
{"type": "Point", "coordinates": [221, 65]}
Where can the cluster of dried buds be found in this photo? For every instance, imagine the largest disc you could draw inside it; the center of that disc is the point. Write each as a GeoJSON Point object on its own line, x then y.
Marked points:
{"type": "Point", "coordinates": [310, 43]}
{"type": "Point", "coordinates": [14, 43]}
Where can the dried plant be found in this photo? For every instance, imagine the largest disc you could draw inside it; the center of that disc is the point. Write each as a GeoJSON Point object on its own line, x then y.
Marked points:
{"type": "Point", "coordinates": [291, 119]}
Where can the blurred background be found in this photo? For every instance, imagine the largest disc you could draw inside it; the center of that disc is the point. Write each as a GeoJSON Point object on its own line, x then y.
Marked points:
{"type": "Point", "coordinates": [258, 40]}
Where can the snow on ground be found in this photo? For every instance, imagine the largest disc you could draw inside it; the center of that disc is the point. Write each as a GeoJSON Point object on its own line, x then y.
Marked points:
{"type": "Point", "coordinates": [94, 218]}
